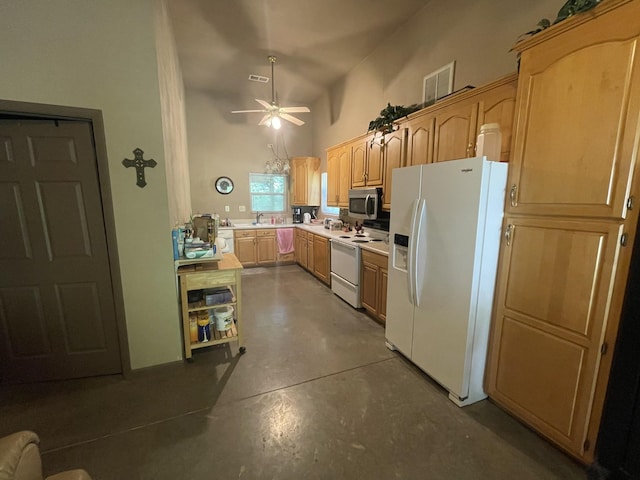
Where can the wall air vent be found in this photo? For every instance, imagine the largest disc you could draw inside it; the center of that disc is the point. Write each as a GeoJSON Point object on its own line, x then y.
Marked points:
{"type": "Point", "coordinates": [258, 78]}
{"type": "Point", "coordinates": [437, 84]}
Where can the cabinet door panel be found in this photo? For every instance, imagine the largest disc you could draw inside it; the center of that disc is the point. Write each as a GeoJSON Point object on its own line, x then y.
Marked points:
{"type": "Point", "coordinates": [358, 167]}
{"type": "Point", "coordinates": [455, 129]}
{"type": "Point", "coordinates": [541, 373]}
{"type": "Point", "coordinates": [321, 258]}
{"type": "Point", "coordinates": [375, 162]}
{"type": "Point", "coordinates": [394, 153]}
{"type": "Point", "coordinates": [498, 106]}
{"type": "Point", "coordinates": [266, 249]}
{"type": "Point", "coordinates": [333, 175]}
{"type": "Point", "coordinates": [310, 258]}
{"type": "Point", "coordinates": [566, 266]}
{"type": "Point", "coordinates": [299, 179]}
{"type": "Point", "coordinates": [554, 292]}
{"type": "Point", "coordinates": [344, 173]}
{"type": "Point", "coordinates": [382, 303]}
{"type": "Point", "coordinates": [369, 288]}
{"type": "Point", "coordinates": [420, 144]}
{"type": "Point", "coordinates": [245, 250]}
{"type": "Point", "coordinates": [575, 138]}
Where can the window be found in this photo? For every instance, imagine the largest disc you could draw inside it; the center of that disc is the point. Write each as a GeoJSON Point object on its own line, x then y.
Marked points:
{"type": "Point", "coordinates": [268, 192]}
{"type": "Point", "coordinates": [323, 198]}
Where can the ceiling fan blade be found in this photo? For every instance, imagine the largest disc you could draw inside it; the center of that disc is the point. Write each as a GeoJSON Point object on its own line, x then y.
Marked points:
{"type": "Point", "coordinates": [264, 104]}
{"type": "Point", "coordinates": [291, 118]}
{"type": "Point", "coordinates": [265, 120]}
{"type": "Point", "coordinates": [248, 111]}
{"type": "Point", "coordinates": [295, 109]}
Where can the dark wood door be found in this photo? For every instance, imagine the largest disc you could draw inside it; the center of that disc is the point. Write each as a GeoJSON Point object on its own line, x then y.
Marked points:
{"type": "Point", "coordinates": [57, 313]}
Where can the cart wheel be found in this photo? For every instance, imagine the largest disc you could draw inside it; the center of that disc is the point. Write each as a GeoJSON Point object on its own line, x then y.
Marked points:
{"type": "Point", "coordinates": [242, 350]}
{"type": "Point", "coordinates": [190, 360]}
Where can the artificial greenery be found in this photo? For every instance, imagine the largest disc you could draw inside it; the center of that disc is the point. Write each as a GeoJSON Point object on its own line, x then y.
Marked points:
{"type": "Point", "coordinates": [389, 115]}
{"type": "Point", "coordinates": [568, 9]}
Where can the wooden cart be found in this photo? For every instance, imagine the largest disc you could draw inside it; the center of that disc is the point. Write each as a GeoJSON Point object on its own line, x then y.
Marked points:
{"type": "Point", "coordinates": [221, 272]}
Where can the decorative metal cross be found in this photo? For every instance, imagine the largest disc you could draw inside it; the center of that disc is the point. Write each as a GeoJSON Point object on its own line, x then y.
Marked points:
{"type": "Point", "coordinates": [140, 164]}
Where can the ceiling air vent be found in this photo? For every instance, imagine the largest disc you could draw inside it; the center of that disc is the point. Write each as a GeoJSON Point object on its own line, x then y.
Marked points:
{"type": "Point", "coordinates": [258, 78]}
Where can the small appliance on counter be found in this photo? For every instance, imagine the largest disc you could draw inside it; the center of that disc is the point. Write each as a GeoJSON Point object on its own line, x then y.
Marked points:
{"type": "Point", "coordinates": [297, 215]}
{"type": "Point", "coordinates": [304, 214]}
{"type": "Point", "coordinates": [333, 224]}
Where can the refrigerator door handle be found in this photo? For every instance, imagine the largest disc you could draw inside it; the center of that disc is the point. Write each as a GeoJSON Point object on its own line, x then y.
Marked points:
{"type": "Point", "coordinates": [420, 239]}
{"type": "Point", "coordinates": [411, 273]}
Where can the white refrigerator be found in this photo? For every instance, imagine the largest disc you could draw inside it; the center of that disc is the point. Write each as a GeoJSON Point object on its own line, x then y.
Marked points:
{"type": "Point", "coordinates": [444, 237]}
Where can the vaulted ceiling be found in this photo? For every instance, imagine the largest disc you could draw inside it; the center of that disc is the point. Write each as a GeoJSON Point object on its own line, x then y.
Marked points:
{"type": "Point", "coordinates": [316, 42]}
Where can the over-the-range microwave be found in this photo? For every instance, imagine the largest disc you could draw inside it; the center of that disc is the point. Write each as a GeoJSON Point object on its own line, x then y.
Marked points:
{"type": "Point", "coordinates": [365, 203]}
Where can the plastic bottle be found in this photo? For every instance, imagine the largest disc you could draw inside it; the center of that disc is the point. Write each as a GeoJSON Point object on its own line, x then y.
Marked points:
{"type": "Point", "coordinates": [489, 142]}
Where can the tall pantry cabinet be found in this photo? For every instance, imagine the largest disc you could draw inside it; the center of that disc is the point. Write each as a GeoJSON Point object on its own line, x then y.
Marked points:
{"type": "Point", "coordinates": [569, 224]}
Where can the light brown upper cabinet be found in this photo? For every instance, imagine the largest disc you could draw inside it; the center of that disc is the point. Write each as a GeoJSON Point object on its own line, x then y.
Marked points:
{"type": "Point", "coordinates": [333, 174]}
{"type": "Point", "coordinates": [305, 181]}
{"type": "Point", "coordinates": [448, 130]}
{"type": "Point", "coordinates": [339, 175]}
{"type": "Point", "coordinates": [455, 131]}
{"type": "Point", "coordinates": [577, 117]}
{"type": "Point", "coordinates": [420, 139]}
{"type": "Point", "coordinates": [569, 225]}
{"type": "Point", "coordinates": [394, 153]}
{"type": "Point", "coordinates": [497, 105]}
{"type": "Point", "coordinates": [367, 162]}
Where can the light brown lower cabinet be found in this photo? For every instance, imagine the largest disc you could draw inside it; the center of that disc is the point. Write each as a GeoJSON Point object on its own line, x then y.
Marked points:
{"type": "Point", "coordinates": [373, 284]}
{"type": "Point", "coordinates": [259, 247]}
{"type": "Point", "coordinates": [321, 255]}
{"type": "Point", "coordinates": [554, 298]}
{"type": "Point", "coordinates": [313, 254]}
{"type": "Point", "coordinates": [245, 247]}
{"type": "Point", "coordinates": [301, 247]}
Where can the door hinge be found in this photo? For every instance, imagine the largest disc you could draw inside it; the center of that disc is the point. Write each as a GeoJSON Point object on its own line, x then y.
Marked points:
{"type": "Point", "coordinates": [623, 239]}
{"type": "Point", "coordinates": [586, 445]}
{"type": "Point", "coordinates": [630, 203]}
{"type": "Point", "coordinates": [604, 348]}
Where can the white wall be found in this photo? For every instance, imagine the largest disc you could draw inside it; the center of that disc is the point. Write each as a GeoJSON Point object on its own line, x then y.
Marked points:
{"type": "Point", "coordinates": [101, 55]}
{"type": "Point", "coordinates": [477, 35]}
{"type": "Point", "coordinates": [174, 125]}
{"type": "Point", "coordinates": [232, 145]}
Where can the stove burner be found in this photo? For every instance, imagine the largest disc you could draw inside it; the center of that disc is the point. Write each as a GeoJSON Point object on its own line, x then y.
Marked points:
{"type": "Point", "coordinates": [360, 241]}
{"type": "Point", "coordinates": [375, 240]}
{"type": "Point", "coordinates": [359, 235]}
{"type": "Point", "coordinates": [345, 236]}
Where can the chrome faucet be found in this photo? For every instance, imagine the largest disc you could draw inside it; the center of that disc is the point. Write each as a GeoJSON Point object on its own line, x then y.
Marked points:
{"type": "Point", "coordinates": [258, 215]}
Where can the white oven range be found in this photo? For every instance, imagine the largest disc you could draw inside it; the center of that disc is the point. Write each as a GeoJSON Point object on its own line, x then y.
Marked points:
{"type": "Point", "coordinates": [345, 271]}
{"type": "Point", "coordinates": [345, 263]}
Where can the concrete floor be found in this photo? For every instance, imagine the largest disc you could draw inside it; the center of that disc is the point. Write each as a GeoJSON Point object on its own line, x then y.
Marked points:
{"type": "Point", "coordinates": [316, 396]}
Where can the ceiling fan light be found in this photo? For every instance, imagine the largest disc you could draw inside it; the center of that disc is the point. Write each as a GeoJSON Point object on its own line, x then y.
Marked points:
{"type": "Point", "coordinates": [276, 123]}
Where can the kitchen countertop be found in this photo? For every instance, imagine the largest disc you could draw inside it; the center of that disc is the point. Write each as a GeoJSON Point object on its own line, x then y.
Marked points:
{"type": "Point", "coordinates": [317, 228]}
{"type": "Point", "coordinates": [376, 247]}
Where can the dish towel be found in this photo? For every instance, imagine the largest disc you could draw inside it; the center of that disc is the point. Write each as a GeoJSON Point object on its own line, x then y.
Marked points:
{"type": "Point", "coordinates": [285, 240]}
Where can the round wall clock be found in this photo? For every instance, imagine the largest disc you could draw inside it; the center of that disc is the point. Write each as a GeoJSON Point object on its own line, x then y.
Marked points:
{"type": "Point", "coordinates": [224, 185]}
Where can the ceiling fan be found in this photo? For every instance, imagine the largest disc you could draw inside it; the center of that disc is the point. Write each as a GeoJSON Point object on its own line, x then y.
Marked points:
{"type": "Point", "coordinates": [273, 112]}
